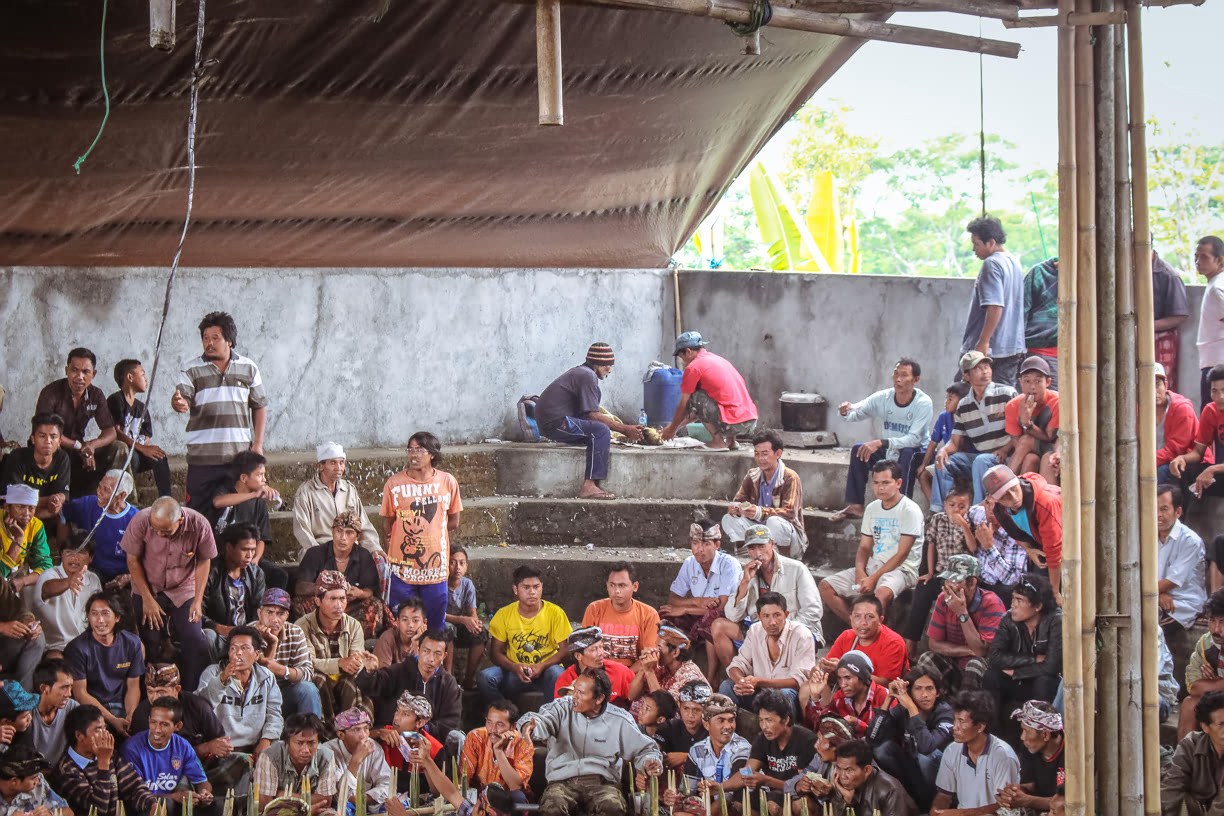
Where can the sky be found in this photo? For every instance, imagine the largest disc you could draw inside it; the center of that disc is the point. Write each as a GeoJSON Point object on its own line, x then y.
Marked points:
{"type": "Point", "coordinates": [909, 93]}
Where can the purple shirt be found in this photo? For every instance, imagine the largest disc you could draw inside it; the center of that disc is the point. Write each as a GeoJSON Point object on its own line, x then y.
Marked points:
{"type": "Point", "coordinates": [170, 563]}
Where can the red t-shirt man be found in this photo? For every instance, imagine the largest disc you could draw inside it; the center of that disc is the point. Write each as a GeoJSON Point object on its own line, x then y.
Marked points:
{"type": "Point", "coordinates": [718, 378]}
{"type": "Point", "coordinates": [621, 677]}
{"type": "Point", "coordinates": [888, 654]}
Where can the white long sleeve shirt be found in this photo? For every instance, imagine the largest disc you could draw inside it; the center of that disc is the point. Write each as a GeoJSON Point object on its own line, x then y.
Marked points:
{"type": "Point", "coordinates": [907, 426]}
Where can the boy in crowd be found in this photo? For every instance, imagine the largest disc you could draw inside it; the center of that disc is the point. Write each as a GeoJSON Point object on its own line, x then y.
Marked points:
{"type": "Point", "coordinates": [399, 642]}
{"type": "Point", "coordinates": [42, 465]}
{"type": "Point", "coordinates": [23, 788]}
{"type": "Point", "coordinates": [857, 698]}
{"type": "Point", "coordinates": [946, 533]}
{"type": "Point", "coordinates": [133, 427]}
{"type": "Point", "coordinates": [890, 547]}
{"type": "Point", "coordinates": [528, 642]}
{"type": "Point", "coordinates": [658, 707]}
{"type": "Point", "coordinates": [61, 593]}
{"type": "Point", "coordinates": [106, 515]}
{"type": "Point", "coordinates": [412, 713]}
{"type": "Point", "coordinates": [89, 775]}
{"type": "Point", "coordinates": [163, 759]}
{"type": "Point", "coordinates": [462, 620]}
{"type": "Point", "coordinates": [1031, 419]}
{"type": "Point", "coordinates": [677, 736]}
{"type": "Point", "coordinates": [497, 754]}
{"type": "Point", "coordinates": [199, 724]}
{"type": "Point", "coordinates": [244, 500]}
{"type": "Point", "coordinates": [941, 434]}
{"type": "Point", "coordinates": [53, 681]}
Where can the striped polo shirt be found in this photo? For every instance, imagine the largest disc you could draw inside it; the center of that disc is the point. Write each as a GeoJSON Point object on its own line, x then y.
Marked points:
{"type": "Point", "coordinates": [985, 422]}
{"type": "Point", "coordinates": [219, 426]}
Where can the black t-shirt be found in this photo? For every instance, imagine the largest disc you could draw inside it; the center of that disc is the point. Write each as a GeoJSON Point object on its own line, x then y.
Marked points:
{"type": "Point", "coordinates": [1168, 290]}
{"type": "Point", "coordinates": [252, 511]}
{"type": "Point", "coordinates": [1046, 776]}
{"type": "Point", "coordinates": [574, 394]}
{"type": "Point", "coordinates": [200, 724]}
{"type": "Point", "coordinates": [19, 468]}
{"type": "Point", "coordinates": [674, 738]}
{"type": "Point", "coordinates": [133, 419]}
{"type": "Point", "coordinates": [784, 763]}
{"type": "Point", "coordinates": [361, 571]}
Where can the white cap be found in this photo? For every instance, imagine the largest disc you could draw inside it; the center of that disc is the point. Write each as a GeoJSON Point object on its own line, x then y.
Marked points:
{"type": "Point", "coordinates": [21, 494]}
{"type": "Point", "coordinates": [329, 450]}
{"type": "Point", "coordinates": [1160, 371]}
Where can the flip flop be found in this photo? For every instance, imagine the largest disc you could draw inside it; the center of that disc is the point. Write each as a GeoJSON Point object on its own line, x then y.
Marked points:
{"type": "Point", "coordinates": [602, 495]}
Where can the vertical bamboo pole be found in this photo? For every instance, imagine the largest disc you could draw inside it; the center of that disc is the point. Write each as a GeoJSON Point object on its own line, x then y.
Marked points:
{"type": "Point", "coordinates": [1073, 667]}
{"type": "Point", "coordinates": [1107, 723]}
{"type": "Point", "coordinates": [161, 24]}
{"type": "Point", "coordinates": [1145, 377]}
{"type": "Point", "coordinates": [548, 61]}
{"type": "Point", "coordinates": [1130, 636]}
{"type": "Point", "coordinates": [1086, 370]}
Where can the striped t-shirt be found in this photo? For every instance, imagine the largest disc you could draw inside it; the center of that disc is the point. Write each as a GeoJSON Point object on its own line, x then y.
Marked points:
{"type": "Point", "coordinates": [985, 422]}
{"type": "Point", "coordinates": [219, 426]}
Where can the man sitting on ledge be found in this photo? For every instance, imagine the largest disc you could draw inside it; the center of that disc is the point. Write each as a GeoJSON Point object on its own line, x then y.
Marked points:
{"type": "Point", "coordinates": [568, 411]}
{"type": "Point", "coordinates": [713, 392]}
{"type": "Point", "coordinates": [771, 494]}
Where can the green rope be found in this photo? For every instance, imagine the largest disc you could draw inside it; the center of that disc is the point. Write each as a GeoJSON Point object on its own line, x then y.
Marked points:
{"type": "Point", "coordinates": [760, 14]}
{"type": "Point", "coordinates": [105, 92]}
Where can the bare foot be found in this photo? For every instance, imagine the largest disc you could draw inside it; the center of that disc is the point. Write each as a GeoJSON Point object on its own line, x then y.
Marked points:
{"type": "Point", "coordinates": [849, 511]}
{"type": "Point", "coordinates": [596, 494]}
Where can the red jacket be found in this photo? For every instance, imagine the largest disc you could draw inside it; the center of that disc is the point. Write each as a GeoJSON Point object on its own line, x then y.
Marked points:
{"type": "Point", "coordinates": [1042, 504]}
{"type": "Point", "coordinates": [1180, 427]}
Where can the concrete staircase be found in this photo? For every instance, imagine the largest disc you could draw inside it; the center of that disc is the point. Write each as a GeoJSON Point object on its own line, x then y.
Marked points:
{"type": "Point", "coordinates": [519, 508]}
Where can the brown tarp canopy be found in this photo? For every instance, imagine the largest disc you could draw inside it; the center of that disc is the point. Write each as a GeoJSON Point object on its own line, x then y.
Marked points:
{"type": "Point", "coordinates": [327, 138]}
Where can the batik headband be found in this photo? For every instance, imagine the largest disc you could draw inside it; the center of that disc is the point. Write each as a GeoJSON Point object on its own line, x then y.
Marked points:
{"type": "Point", "coordinates": [351, 718]}
{"type": "Point", "coordinates": [673, 636]}
{"type": "Point", "coordinates": [1037, 719]}
{"type": "Point", "coordinates": [419, 706]}
{"type": "Point", "coordinates": [712, 534]}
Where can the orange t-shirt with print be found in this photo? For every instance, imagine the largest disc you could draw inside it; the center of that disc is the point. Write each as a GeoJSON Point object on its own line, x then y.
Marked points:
{"type": "Point", "coordinates": [419, 549]}
{"type": "Point", "coordinates": [625, 634]}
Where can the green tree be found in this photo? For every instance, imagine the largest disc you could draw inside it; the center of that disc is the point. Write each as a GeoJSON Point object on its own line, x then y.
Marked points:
{"type": "Point", "coordinates": [820, 140]}
{"type": "Point", "coordinates": [1185, 192]}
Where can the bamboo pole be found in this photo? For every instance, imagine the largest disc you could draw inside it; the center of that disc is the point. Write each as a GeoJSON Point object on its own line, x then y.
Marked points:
{"type": "Point", "coordinates": [161, 24]}
{"type": "Point", "coordinates": [752, 44]}
{"type": "Point", "coordinates": [1145, 377]}
{"type": "Point", "coordinates": [1079, 18]}
{"type": "Point", "coordinates": [977, 8]}
{"type": "Point", "coordinates": [548, 61]}
{"type": "Point", "coordinates": [740, 11]}
{"type": "Point", "coordinates": [1073, 667]}
{"type": "Point", "coordinates": [1086, 369]}
{"type": "Point", "coordinates": [1107, 736]}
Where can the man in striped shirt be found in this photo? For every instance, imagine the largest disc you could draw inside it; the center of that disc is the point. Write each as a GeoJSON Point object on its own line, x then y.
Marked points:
{"type": "Point", "coordinates": [980, 418]}
{"type": "Point", "coordinates": [223, 393]}
{"type": "Point", "coordinates": [287, 655]}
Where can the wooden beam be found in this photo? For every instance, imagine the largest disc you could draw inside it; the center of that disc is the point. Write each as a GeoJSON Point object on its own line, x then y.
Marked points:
{"type": "Point", "coordinates": [1090, 18]}
{"type": "Point", "coordinates": [161, 24]}
{"type": "Point", "coordinates": [978, 8]}
{"type": "Point", "coordinates": [740, 11]}
{"type": "Point", "coordinates": [548, 61]}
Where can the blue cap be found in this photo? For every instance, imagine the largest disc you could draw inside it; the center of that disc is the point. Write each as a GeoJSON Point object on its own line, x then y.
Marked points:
{"type": "Point", "coordinates": [688, 340]}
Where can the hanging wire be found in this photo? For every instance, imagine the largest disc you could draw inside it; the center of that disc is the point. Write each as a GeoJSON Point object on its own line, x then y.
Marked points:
{"type": "Point", "coordinates": [197, 77]}
{"type": "Point", "coordinates": [105, 94]}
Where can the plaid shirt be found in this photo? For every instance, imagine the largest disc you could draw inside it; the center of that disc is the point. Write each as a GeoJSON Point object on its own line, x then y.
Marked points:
{"type": "Point", "coordinates": [985, 610]}
{"type": "Point", "coordinates": [274, 772]}
{"type": "Point", "coordinates": [947, 537]}
{"type": "Point", "coordinates": [844, 708]}
{"type": "Point", "coordinates": [1003, 563]}
{"type": "Point", "coordinates": [293, 651]}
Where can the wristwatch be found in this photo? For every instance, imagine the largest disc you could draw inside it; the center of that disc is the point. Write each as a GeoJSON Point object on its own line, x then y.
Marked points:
{"type": "Point", "coordinates": [962, 618]}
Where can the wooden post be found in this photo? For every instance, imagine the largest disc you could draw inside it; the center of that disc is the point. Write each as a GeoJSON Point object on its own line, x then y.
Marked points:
{"type": "Point", "coordinates": [1145, 350]}
{"type": "Point", "coordinates": [1073, 667]}
{"type": "Point", "coordinates": [161, 24]}
{"type": "Point", "coordinates": [752, 44]}
{"type": "Point", "coordinates": [548, 61]}
{"type": "Point", "coordinates": [977, 8]}
{"type": "Point", "coordinates": [740, 11]}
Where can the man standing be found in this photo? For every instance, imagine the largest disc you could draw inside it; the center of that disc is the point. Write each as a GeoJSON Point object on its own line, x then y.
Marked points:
{"type": "Point", "coordinates": [1209, 261]}
{"type": "Point", "coordinates": [1030, 510]}
{"type": "Point", "coordinates": [904, 413]}
{"type": "Point", "coordinates": [587, 740]}
{"type": "Point", "coordinates": [767, 571]}
{"type": "Point", "coordinates": [713, 393]}
{"type": "Point", "coordinates": [42, 465]}
{"type": "Point", "coordinates": [326, 495]}
{"type": "Point", "coordinates": [110, 506]}
{"type": "Point", "coordinates": [981, 419]}
{"type": "Point", "coordinates": [529, 642]}
{"type": "Point", "coordinates": [965, 619]}
{"type": "Point", "coordinates": [890, 547]}
{"type": "Point", "coordinates": [1032, 420]}
{"type": "Point", "coordinates": [169, 551]}
{"type": "Point", "coordinates": [420, 512]}
{"type": "Point", "coordinates": [224, 394]}
{"type": "Point", "coordinates": [1041, 314]}
{"type": "Point", "coordinates": [977, 765]}
{"type": "Point", "coordinates": [568, 412]}
{"type": "Point", "coordinates": [77, 401]}
{"type": "Point", "coordinates": [627, 627]}
{"type": "Point", "coordinates": [995, 326]}
{"type": "Point", "coordinates": [586, 646]}
{"type": "Point", "coordinates": [1170, 309]}
{"type": "Point", "coordinates": [1180, 572]}
{"type": "Point", "coordinates": [777, 654]}
{"type": "Point", "coordinates": [771, 494]}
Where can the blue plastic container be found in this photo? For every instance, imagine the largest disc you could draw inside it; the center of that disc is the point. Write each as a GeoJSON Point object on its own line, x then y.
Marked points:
{"type": "Point", "coordinates": [661, 395]}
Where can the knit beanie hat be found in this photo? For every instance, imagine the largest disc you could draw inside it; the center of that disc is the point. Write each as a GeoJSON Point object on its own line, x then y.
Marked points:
{"type": "Point", "coordinates": [600, 354]}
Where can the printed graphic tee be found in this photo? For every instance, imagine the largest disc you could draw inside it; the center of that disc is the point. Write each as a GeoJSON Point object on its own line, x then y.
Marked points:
{"type": "Point", "coordinates": [419, 549]}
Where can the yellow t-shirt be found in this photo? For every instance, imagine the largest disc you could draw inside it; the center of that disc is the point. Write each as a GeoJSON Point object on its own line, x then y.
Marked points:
{"type": "Point", "coordinates": [530, 640]}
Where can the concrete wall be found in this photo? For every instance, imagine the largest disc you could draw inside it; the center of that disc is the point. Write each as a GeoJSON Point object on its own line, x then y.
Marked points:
{"type": "Point", "coordinates": [840, 335]}
{"type": "Point", "coordinates": [362, 356]}
{"type": "Point", "coordinates": [367, 356]}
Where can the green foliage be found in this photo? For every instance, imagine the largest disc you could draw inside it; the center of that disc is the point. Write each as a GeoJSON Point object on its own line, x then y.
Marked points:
{"type": "Point", "coordinates": [1185, 193]}
{"type": "Point", "coordinates": [820, 140]}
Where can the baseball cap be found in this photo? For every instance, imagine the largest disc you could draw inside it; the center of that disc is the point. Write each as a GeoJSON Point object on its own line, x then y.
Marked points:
{"type": "Point", "coordinates": [998, 480]}
{"type": "Point", "coordinates": [757, 534]}
{"type": "Point", "coordinates": [960, 567]}
{"type": "Point", "coordinates": [1160, 371]}
{"type": "Point", "coordinates": [275, 597]}
{"type": "Point", "coordinates": [688, 340]}
{"type": "Point", "coordinates": [971, 358]}
{"type": "Point", "coordinates": [1035, 363]}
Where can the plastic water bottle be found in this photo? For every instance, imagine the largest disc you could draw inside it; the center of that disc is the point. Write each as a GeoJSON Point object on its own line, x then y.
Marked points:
{"type": "Point", "coordinates": [642, 418]}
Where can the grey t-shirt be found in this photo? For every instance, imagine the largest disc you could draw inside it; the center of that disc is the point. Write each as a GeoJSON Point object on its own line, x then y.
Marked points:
{"type": "Point", "coordinates": [50, 740]}
{"type": "Point", "coordinates": [1000, 283]}
{"type": "Point", "coordinates": [574, 394]}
